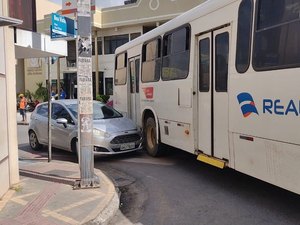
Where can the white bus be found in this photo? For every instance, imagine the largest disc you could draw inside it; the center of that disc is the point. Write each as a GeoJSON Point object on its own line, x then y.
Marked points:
{"type": "Point", "coordinates": [221, 81]}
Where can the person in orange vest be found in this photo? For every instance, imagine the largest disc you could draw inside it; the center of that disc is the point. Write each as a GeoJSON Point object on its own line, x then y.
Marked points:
{"type": "Point", "coordinates": [23, 104]}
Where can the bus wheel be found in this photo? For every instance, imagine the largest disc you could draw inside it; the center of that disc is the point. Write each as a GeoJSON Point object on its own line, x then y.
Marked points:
{"type": "Point", "coordinates": [152, 146]}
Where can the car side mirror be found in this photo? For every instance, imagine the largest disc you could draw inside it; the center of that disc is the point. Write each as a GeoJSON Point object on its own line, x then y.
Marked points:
{"type": "Point", "coordinates": [63, 121]}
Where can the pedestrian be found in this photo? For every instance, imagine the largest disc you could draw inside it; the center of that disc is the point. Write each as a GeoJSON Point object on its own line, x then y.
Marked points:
{"type": "Point", "coordinates": [53, 95]}
{"type": "Point", "coordinates": [62, 94]}
{"type": "Point", "coordinates": [23, 104]}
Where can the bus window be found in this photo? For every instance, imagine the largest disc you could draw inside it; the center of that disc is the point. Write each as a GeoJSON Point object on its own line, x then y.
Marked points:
{"type": "Point", "coordinates": [176, 54]}
{"type": "Point", "coordinates": [242, 60]}
{"type": "Point", "coordinates": [277, 35]}
{"type": "Point", "coordinates": [221, 54]}
{"type": "Point", "coordinates": [120, 74]}
{"type": "Point", "coordinates": [204, 70]}
{"type": "Point", "coordinates": [151, 65]}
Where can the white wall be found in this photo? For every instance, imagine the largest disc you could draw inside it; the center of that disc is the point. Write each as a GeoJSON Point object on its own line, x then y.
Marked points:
{"type": "Point", "coordinates": [2, 62]}
{"type": "Point", "coordinates": [9, 165]}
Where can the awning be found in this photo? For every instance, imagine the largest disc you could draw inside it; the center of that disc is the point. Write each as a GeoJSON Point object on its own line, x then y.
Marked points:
{"type": "Point", "coordinates": [8, 21]}
{"type": "Point", "coordinates": [35, 45]}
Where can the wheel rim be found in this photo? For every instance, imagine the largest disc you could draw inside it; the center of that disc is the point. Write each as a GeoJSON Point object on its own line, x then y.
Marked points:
{"type": "Point", "coordinates": [33, 140]}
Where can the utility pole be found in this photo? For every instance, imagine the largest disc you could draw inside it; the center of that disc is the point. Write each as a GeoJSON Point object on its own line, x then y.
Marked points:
{"type": "Point", "coordinates": [88, 179]}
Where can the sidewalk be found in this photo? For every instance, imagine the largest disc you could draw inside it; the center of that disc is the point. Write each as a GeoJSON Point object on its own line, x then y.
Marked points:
{"type": "Point", "coordinates": [19, 118]}
{"type": "Point", "coordinates": [45, 195]}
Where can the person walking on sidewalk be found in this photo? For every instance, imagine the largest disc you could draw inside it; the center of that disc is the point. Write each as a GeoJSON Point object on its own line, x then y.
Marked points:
{"type": "Point", "coordinates": [23, 103]}
{"type": "Point", "coordinates": [62, 94]}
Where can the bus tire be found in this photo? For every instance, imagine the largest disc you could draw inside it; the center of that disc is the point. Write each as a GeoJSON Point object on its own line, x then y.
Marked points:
{"type": "Point", "coordinates": [151, 137]}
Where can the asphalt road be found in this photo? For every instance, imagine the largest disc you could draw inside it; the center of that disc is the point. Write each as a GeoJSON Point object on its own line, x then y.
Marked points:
{"type": "Point", "coordinates": [176, 189]}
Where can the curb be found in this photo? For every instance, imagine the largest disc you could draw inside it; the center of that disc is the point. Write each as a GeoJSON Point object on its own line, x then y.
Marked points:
{"type": "Point", "coordinates": [22, 123]}
{"type": "Point", "coordinates": [108, 213]}
{"type": "Point", "coordinates": [112, 205]}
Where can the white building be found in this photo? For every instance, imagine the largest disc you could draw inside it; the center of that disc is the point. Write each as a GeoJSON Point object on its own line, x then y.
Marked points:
{"type": "Point", "coordinates": [17, 43]}
{"type": "Point", "coordinates": [111, 28]}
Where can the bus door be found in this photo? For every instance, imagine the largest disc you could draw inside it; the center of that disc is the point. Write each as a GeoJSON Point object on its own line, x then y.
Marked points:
{"type": "Point", "coordinates": [121, 87]}
{"type": "Point", "coordinates": [134, 74]}
{"type": "Point", "coordinates": [213, 53]}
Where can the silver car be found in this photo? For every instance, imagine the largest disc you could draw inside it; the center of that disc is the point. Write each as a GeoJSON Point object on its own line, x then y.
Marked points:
{"type": "Point", "coordinates": [112, 133]}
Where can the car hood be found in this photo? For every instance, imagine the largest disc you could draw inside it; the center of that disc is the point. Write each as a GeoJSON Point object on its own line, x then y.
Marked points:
{"type": "Point", "coordinates": [114, 125]}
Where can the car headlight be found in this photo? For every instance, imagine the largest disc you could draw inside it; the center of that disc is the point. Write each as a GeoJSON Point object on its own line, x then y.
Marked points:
{"type": "Point", "coordinates": [101, 133]}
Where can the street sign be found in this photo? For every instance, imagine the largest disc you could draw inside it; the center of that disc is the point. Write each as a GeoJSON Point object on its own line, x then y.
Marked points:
{"type": "Point", "coordinates": [59, 24]}
{"type": "Point", "coordinates": [70, 6]}
{"type": "Point", "coordinates": [62, 27]}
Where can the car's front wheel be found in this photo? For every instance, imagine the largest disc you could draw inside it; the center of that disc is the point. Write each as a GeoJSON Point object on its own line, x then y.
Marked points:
{"type": "Point", "coordinates": [34, 142]}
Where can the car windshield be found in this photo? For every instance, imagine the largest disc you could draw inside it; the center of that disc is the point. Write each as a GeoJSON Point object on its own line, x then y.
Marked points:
{"type": "Point", "coordinates": [101, 111]}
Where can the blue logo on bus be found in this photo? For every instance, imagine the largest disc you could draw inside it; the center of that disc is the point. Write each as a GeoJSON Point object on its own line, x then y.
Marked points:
{"type": "Point", "coordinates": [247, 104]}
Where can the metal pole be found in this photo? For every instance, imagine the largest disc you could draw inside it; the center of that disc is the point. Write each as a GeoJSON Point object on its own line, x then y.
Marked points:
{"type": "Point", "coordinates": [58, 78]}
{"type": "Point", "coordinates": [96, 65]}
{"type": "Point", "coordinates": [88, 178]}
{"type": "Point", "coordinates": [49, 111]}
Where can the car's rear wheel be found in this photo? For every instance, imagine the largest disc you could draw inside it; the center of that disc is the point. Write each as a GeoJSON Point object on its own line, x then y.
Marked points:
{"type": "Point", "coordinates": [151, 137]}
{"type": "Point", "coordinates": [34, 142]}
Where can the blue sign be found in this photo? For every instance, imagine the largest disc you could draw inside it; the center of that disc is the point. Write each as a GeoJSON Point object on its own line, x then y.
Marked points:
{"type": "Point", "coordinates": [59, 24]}
{"type": "Point", "coordinates": [62, 27]}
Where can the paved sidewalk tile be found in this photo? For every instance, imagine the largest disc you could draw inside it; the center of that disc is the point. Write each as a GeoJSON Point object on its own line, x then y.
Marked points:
{"type": "Point", "coordinates": [45, 196]}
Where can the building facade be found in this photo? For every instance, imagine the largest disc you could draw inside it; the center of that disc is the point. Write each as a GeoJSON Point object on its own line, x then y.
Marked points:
{"type": "Point", "coordinates": [111, 28]}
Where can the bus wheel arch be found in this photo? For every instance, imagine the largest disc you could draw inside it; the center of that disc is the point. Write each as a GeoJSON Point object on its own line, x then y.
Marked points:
{"type": "Point", "coordinates": [151, 134]}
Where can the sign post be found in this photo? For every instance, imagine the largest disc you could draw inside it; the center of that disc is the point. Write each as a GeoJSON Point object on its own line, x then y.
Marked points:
{"type": "Point", "coordinates": [49, 111]}
{"type": "Point", "coordinates": [88, 179]}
